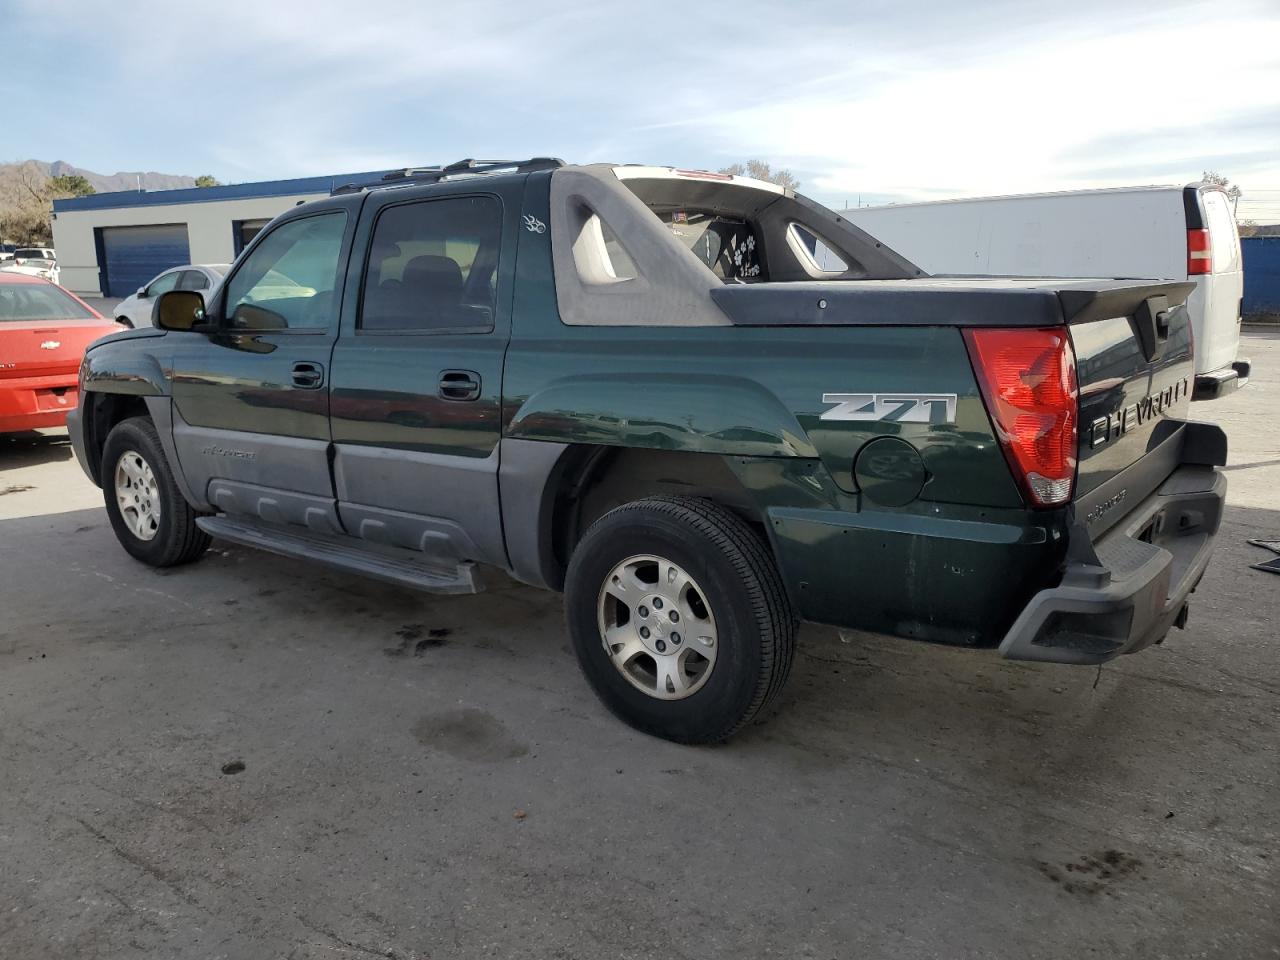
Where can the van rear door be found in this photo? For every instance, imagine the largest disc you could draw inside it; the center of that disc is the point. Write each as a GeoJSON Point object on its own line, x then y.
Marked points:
{"type": "Point", "coordinates": [1214, 264]}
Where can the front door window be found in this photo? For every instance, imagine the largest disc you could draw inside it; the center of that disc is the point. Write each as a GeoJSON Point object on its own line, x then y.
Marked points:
{"type": "Point", "coordinates": [289, 280]}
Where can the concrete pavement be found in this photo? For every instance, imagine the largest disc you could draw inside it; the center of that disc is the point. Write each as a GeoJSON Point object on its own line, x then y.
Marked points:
{"type": "Point", "coordinates": [431, 777]}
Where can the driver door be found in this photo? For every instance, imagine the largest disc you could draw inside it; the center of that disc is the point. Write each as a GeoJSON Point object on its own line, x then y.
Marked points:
{"type": "Point", "coordinates": [251, 397]}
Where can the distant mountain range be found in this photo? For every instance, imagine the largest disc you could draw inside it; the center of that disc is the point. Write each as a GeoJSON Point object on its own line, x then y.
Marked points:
{"type": "Point", "coordinates": [103, 182]}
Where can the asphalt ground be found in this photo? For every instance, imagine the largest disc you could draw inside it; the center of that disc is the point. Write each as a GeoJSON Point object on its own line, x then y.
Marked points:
{"type": "Point", "coordinates": [255, 758]}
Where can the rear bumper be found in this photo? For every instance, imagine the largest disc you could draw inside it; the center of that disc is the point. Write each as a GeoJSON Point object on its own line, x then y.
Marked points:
{"type": "Point", "coordinates": [1125, 591]}
{"type": "Point", "coordinates": [1220, 382]}
{"type": "Point", "coordinates": [26, 404]}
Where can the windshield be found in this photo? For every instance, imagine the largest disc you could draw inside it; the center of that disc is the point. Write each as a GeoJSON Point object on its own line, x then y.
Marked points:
{"type": "Point", "coordinates": [38, 301]}
{"type": "Point", "coordinates": [30, 253]}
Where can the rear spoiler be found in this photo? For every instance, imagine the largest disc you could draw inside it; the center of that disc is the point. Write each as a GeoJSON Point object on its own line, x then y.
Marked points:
{"type": "Point", "coordinates": [943, 301]}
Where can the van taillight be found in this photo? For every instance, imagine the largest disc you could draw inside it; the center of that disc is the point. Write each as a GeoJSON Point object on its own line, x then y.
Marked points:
{"type": "Point", "coordinates": [1028, 380]}
{"type": "Point", "coordinates": [1199, 259]}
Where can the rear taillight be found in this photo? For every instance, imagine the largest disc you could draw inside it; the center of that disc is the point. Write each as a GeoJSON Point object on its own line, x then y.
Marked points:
{"type": "Point", "coordinates": [1199, 259]}
{"type": "Point", "coordinates": [1028, 380]}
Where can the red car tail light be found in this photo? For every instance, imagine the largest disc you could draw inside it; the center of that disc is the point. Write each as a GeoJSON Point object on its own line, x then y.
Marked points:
{"type": "Point", "coordinates": [1199, 259]}
{"type": "Point", "coordinates": [1028, 381]}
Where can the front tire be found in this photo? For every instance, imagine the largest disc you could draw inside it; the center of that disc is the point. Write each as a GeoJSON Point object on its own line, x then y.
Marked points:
{"type": "Point", "coordinates": [698, 678]}
{"type": "Point", "coordinates": [150, 517]}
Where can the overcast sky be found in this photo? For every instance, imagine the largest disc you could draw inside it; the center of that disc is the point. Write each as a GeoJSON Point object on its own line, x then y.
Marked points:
{"type": "Point", "coordinates": [878, 100]}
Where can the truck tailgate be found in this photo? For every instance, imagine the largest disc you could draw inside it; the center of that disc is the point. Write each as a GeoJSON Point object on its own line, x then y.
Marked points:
{"type": "Point", "coordinates": [1135, 375]}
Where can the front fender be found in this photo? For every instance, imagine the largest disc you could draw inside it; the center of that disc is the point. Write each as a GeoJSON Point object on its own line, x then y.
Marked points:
{"type": "Point", "coordinates": [709, 414]}
{"type": "Point", "coordinates": [113, 367]}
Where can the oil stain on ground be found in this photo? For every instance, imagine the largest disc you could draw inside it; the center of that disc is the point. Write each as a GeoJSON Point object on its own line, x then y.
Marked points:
{"type": "Point", "coordinates": [411, 637]}
{"type": "Point", "coordinates": [468, 734]}
{"type": "Point", "coordinates": [1092, 873]}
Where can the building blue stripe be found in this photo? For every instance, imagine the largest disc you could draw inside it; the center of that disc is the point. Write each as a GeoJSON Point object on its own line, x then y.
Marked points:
{"type": "Point", "coordinates": [234, 191]}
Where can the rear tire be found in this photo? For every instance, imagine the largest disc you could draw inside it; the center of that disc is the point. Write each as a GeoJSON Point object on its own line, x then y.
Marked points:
{"type": "Point", "coordinates": [150, 517]}
{"type": "Point", "coordinates": [702, 677]}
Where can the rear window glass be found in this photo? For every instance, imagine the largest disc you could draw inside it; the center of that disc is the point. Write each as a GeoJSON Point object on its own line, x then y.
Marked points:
{"type": "Point", "coordinates": [1224, 240]}
{"type": "Point", "coordinates": [37, 301]}
{"type": "Point", "coordinates": [726, 245]}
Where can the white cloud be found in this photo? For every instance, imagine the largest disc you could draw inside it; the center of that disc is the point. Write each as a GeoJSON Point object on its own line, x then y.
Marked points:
{"type": "Point", "coordinates": [879, 98]}
{"type": "Point", "coordinates": [1018, 118]}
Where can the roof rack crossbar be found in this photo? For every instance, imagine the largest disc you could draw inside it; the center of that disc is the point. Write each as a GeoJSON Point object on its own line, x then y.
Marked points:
{"type": "Point", "coordinates": [424, 175]}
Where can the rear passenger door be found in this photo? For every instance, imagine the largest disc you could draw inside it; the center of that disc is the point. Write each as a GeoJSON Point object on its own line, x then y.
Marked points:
{"type": "Point", "coordinates": [416, 389]}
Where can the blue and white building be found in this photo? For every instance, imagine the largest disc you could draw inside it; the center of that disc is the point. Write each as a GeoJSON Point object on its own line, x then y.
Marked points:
{"type": "Point", "coordinates": [110, 244]}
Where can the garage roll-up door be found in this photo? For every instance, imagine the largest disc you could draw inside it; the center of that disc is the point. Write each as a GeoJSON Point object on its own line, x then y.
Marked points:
{"type": "Point", "coordinates": [132, 256]}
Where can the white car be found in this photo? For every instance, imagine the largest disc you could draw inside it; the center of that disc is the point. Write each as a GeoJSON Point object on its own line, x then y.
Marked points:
{"type": "Point", "coordinates": [135, 311]}
{"type": "Point", "coordinates": [34, 253]}
{"type": "Point", "coordinates": [26, 261]}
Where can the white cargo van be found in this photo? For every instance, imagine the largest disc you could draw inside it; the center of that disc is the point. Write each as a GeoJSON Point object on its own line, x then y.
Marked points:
{"type": "Point", "coordinates": [1169, 233]}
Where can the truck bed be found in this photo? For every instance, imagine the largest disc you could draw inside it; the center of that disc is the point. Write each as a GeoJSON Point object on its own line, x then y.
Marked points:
{"type": "Point", "coordinates": [930, 301]}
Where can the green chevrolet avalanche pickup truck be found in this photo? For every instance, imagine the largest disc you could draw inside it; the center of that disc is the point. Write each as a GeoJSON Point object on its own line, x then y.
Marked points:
{"type": "Point", "coordinates": [704, 407]}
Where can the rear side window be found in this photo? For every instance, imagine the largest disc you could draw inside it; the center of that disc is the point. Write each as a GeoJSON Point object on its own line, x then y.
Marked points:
{"type": "Point", "coordinates": [288, 281]}
{"type": "Point", "coordinates": [1224, 239]}
{"type": "Point", "coordinates": [37, 301]}
{"type": "Point", "coordinates": [433, 265]}
{"type": "Point", "coordinates": [163, 284]}
{"type": "Point", "coordinates": [193, 280]}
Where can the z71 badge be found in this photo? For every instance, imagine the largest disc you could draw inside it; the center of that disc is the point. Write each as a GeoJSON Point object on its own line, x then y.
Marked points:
{"type": "Point", "coordinates": [894, 407]}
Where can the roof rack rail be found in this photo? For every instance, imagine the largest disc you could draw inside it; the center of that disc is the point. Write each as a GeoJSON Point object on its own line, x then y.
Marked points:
{"type": "Point", "coordinates": [422, 175]}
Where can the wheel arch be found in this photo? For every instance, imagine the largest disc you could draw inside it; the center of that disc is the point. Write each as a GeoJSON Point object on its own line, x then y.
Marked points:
{"type": "Point", "coordinates": [551, 494]}
{"type": "Point", "coordinates": [103, 411]}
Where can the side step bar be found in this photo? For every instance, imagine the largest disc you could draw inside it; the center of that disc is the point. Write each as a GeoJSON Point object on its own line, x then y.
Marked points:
{"type": "Point", "coordinates": [393, 565]}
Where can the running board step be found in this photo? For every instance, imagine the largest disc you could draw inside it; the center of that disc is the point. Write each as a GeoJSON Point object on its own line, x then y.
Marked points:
{"type": "Point", "coordinates": [347, 553]}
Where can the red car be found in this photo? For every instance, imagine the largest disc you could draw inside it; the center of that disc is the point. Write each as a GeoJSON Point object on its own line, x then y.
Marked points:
{"type": "Point", "coordinates": [43, 334]}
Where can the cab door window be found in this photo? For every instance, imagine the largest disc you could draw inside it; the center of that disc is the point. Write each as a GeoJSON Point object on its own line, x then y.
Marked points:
{"type": "Point", "coordinates": [289, 281]}
{"type": "Point", "coordinates": [433, 266]}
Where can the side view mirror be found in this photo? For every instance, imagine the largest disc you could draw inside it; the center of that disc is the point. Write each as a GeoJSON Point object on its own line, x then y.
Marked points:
{"type": "Point", "coordinates": [177, 310]}
{"type": "Point", "coordinates": [142, 292]}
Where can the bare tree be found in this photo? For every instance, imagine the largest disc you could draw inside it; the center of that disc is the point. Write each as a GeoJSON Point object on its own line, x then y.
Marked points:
{"type": "Point", "coordinates": [760, 170]}
{"type": "Point", "coordinates": [25, 204]}
{"type": "Point", "coordinates": [1233, 192]}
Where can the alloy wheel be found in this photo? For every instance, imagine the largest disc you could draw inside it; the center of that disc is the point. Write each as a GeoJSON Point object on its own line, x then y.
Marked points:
{"type": "Point", "coordinates": [138, 495]}
{"type": "Point", "coordinates": [657, 627]}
